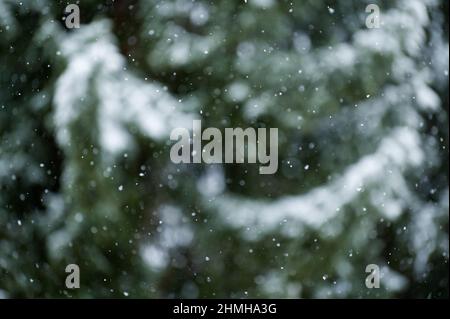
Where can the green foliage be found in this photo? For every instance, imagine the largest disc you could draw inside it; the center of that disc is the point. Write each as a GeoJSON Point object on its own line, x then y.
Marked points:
{"type": "Point", "coordinates": [86, 178]}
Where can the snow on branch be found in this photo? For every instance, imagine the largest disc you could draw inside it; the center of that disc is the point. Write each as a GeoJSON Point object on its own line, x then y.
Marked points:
{"type": "Point", "coordinates": [397, 152]}
{"type": "Point", "coordinates": [119, 96]}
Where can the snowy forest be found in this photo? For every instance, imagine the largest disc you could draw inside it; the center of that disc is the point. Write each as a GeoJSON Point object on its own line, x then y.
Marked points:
{"type": "Point", "coordinates": [86, 178]}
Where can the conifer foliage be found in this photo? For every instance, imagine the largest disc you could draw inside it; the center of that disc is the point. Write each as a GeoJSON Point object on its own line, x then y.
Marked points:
{"type": "Point", "coordinates": [86, 178]}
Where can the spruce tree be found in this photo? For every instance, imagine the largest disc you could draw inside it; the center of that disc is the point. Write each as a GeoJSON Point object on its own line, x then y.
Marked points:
{"type": "Point", "coordinates": [86, 177]}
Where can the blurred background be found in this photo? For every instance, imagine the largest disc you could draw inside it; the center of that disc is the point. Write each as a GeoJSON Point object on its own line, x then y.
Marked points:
{"type": "Point", "coordinates": [86, 177]}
